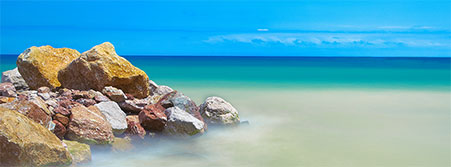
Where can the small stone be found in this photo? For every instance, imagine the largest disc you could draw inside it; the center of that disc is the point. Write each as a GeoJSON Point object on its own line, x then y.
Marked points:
{"type": "Point", "coordinates": [44, 96]}
{"type": "Point", "coordinates": [7, 89]}
{"type": "Point", "coordinates": [86, 102]}
{"type": "Point", "coordinates": [101, 98]}
{"type": "Point", "coordinates": [114, 94]}
{"type": "Point", "coordinates": [44, 89]}
{"type": "Point", "coordinates": [134, 128]}
{"type": "Point", "coordinates": [61, 118]}
{"type": "Point", "coordinates": [153, 118]}
{"type": "Point", "coordinates": [133, 106]}
{"type": "Point", "coordinates": [114, 115]}
{"type": "Point", "coordinates": [59, 130]}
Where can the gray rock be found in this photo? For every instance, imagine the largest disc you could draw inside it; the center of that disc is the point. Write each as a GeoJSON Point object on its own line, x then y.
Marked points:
{"type": "Point", "coordinates": [217, 111]}
{"type": "Point", "coordinates": [181, 123]}
{"type": "Point", "coordinates": [134, 106]}
{"type": "Point", "coordinates": [114, 94]}
{"type": "Point", "coordinates": [162, 90]}
{"type": "Point", "coordinates": [13, 76]}
{"type": "Point", "coordinates": [44, 96]}
{"type": "Point", "coordinates": [114, 115]}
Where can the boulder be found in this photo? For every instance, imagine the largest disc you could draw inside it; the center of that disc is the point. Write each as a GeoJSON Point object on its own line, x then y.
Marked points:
{"type": "Point", "coordinates": [114, 115]}
{"type": "Point", "coordinates": [134, 128]}
{"type": "Point", "coordinates": [31, 110]}
{"type": "Point", "coordinates": [153, 118]}
{"type": "Point", "coordinates": [114, 94]}
{"type": "Point", "coordinates": [177, 99]}
{"type": "Point", "coordinates": [81, 153]}
{"type": "Point", "coordinates": [7, 89]}
{"type": "Point", "coordinates": [217, 111]}
{"type": "Point", "coordinates": [100, 67]}
{"type": "Point", "coordinates": [26, 143]}
{"type": "Point", "coordinates": [88, 125]}
{"type": "Point", "coordinates": [39, 66]}
{"type": "Point", "coordinates": [181, 123]}
{"type": "Point", "coordinates": [13, 76]}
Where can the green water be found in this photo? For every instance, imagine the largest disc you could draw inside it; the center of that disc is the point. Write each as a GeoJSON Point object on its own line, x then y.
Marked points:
{"type": "Point", "coordinates": [320, 112]}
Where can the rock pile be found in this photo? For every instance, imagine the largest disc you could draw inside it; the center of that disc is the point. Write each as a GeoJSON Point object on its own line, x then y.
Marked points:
{"type": "Point", "coordinates": [58, 102]}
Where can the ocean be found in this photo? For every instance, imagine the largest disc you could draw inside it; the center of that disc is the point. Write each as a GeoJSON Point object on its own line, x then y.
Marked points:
{"type": "Point", "coordinates": [304, 111]}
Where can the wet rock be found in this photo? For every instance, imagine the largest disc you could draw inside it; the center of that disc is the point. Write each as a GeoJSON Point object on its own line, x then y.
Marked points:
{"type": "Point", "coordinates": [217, 111]}
{"type": "Point", "coordinates": [59, 130]}
{"type": "Point", "coordinates": [26, 143]}
{"type": "Point", "coordinates": [13, 76]}
{"type": "Point", "coordinates": [88, 125]}
{"type": "Point", "coordinates": [81, 153]}
{"type": "Point", "coordinates": [100, 67]}
{"type": "Point", "coordinates": [114, 94]}
{"type": "Point", "coordinates": [31, 110]}
{"type": "Point", "coordinates": [7, 89]}
{"type": "Point", "coordinates": [134, 128]}
{"type": "Point", "coordinates": [86, 102]}
{"type": "Point", "coordinates": [181, 123]}
{"type": "Point", "coordinates": [153, 118]}
{"type": "Point", "coordinates": [114, 115]}
{"type": "Point", "coordinates": [39, 66]}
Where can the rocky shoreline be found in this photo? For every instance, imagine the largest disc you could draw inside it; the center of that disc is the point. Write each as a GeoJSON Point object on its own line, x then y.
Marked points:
{"type": "Point", "coordinates": [58, 103]}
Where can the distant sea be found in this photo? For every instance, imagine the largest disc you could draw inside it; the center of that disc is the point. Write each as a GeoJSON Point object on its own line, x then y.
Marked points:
{"type": "Point", "coordinates": [303, 111]}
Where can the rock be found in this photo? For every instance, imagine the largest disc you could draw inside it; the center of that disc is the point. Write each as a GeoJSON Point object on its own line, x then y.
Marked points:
{"type": "Point", "coordinates": [76, 94]}
{"type": "Point", "coordinates": [181, 123]}
{"type": "Point", "coordinates": [121, 144]}
{"type": "Point", "coordinates": [114, 94]}
{"type": "Point", "coordinates": [51, 103]}
{"type": "Point", "coordinates": [153, 118]}
{"type": "Point", "coordinates": [152, 87]}
{"type": "Point", "coordinates": [4, 99]}
{"type": "Point", "coordinates": [44, 89]}
{"type": "Point", "coordinates": [114, 115]}
{"type": "Point", "coordinates": [86, 102]}
{"type": "Point", "coordinates": [183, 102]}
{"type": "Point", "coordinates": [100, 67]}
{"type": "Point", "coordinates": [163, 90]}
{"type": "Point", "coordinates": [7, 89]}
{"type": "Point", "coordinates": [40, 103]}
{"type": "Point", "coordinates": [88, 125]}
{"type": "Point", "coordinates": [101, 98]}
{"type": "Point", "coordinates": [31, 110]}
{"type": "Point", "coordinates": [44, 96]}
{"type": "Point", "coordinates": [133, 106]}
{"type": "Point", "coordinates": [134, 128]}
{"type": "Point", "coordinates": [217, 111]}
{"type": "Point", "coordinates": [26, 143]}
{"type": "Point", "coordinates": [59, 130]}
{"type": "Point", "coordinates": [13, 76]}
{"type": "Point", "coordinates": [61, 118]}
{"type": "Point", "coordinates": [81, 153]}
{"type": "Point", "coordinates": [39, 66]}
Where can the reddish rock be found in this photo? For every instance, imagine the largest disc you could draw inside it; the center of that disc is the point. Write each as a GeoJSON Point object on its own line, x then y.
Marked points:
{"type": "Point", "coordinates": [152, 118]}
{"type": "Point", "coordinates": [86, 102]}
{"type": "Point", "coordinates": [114, 94]}
{"type": "Point", "coordinates": [31, 110]}
{"type": "Point", "coordinates": [44, 89]}
{"type": "Point", "coordinates": [101, 98]}
{"type": "Point", "coordinates": [88, 125]}
{"type": "Point", "coordinates": [61, 118]}
{"type": "Point", "coordinates": [7, 89]}
{"type": "Point", "coordinates": [129, 96]}
{"type": "Point", "coordinates": [68, 104]}
{"type": "Point", "coordinates": [82, 94]}
{"type": "Point", "coordinates": [62, 110]}
{"type": "Point", "coordinates": [133, 106]}
{"type": "Point", "coordinates": [134, 128]}
{"type": "Point", "coordinates": [60, 129]}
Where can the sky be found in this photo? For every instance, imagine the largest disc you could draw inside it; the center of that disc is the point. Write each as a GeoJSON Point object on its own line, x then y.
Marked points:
{"type": "Point", "coordinates": [232, 27]}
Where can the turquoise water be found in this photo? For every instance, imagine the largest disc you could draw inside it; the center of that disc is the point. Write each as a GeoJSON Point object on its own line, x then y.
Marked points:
{"type": "Point", "coordinates": [315, 112]}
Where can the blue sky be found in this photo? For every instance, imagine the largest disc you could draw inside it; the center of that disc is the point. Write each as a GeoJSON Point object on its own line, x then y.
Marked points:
{"type": "Point", "coordinates": [233, 27]}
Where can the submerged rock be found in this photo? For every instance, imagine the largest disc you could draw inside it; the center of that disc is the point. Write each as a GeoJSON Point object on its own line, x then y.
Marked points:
{"type": "Point", "coordinates": [88, 125]}
{"type": "Point", "coordinates": [13, 76]}
{"type": "Point", "coordinates": [39, 66]}
{"type": "Point", "coordinates": [81, 153]}
{"type": "Point", "coordinates": [114, 115]}
{"type": "Point", "coordinates": [153, 118]}
{"type": "Point", "coordinates": [121, 144]}
{"type": "Point", "coordinates": [180, 123]}
{"type": "Point", "coordinates": [26, 143]}
{"type": "Point", "coordinates": [217, 111]}
{"type": "Point", "coordinates": [101, 66]}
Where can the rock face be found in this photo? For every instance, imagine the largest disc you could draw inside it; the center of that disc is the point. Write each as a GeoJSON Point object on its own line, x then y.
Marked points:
{"type": "Point", "coordinates": [114, 115]}
{"type": "Point", "coordinates": [26, 143]}
{"type": "Point", "coordinates": [100, 67]}
{"type": "Point", "coordinates": [88, 125]}
{"type": "Point", "coordinates": [81, 153]}
{"type": "Point", "coordinates": [153, 118]}
{"type": "Point", "coordinates": [134, 128]}
{"type": "Point", "coordinates": [217, 111]}
{"type": "Point", "coordinates": [39, 66]}
{"type": "Point", "coordinates": [13, 76]}
{"type": "Point", "coordinates": [180, 123]}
